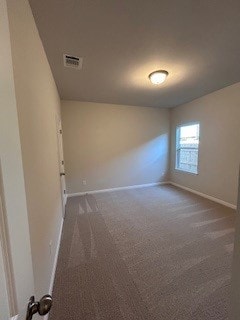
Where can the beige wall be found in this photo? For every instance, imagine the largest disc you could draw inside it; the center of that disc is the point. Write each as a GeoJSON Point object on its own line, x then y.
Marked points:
{"type": "Point", "coordinates": [113, 145]}
{"type": "Point", "coordinates": [37, 104]}
{"type": "Point", "coordinates": [219, 151]}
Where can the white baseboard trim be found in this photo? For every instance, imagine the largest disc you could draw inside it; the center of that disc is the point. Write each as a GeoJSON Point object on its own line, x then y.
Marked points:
{"type": "Point", "coordinates": [224, 203]}
{"type": "Point", "coordinates": [56, 258]}
{"type": "Point", "coordinates": [55, 264]}
{"type": "Point", "coordinates": [118, 188]}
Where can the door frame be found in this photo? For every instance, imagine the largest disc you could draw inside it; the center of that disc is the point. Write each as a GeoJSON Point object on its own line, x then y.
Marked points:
{"type": "Point", "coordinates": [6, 253]}
{"type": "Point", "coordinates": [15, 241]}
{"type": "Point", "coordinates": [61, 162]}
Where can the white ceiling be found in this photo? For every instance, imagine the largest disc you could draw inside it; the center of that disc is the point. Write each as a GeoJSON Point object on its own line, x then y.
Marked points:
{"type": "Point", "coordinates": [122, 41]}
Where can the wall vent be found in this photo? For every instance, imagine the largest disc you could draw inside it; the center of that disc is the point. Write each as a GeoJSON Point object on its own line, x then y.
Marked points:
{"type": "Point", "coordinates": [72, 61]}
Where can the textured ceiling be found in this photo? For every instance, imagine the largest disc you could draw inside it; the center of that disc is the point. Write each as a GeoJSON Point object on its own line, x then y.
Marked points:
{"type": "Point", "coordinates": [122, 41]}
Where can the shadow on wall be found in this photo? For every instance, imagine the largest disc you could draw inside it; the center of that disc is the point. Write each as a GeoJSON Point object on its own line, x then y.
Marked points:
{"type": "Point", "coordinates": [145, 163]}
{"type": "Point", "coordinates": [114, 147]}
{"type": "Point", "coordinates": [144, 155]}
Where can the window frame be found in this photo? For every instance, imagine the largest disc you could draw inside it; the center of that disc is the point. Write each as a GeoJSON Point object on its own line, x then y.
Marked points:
{"type": "Point", "coordinates": [177, 147]}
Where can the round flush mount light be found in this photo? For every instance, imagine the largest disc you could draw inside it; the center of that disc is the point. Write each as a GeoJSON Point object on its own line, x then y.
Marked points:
{"type": "Point", "coordinates": [158, 77]}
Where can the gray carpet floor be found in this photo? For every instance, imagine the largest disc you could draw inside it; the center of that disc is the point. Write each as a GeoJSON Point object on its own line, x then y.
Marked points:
{"type": "Point", "coordinates": [148, 253]}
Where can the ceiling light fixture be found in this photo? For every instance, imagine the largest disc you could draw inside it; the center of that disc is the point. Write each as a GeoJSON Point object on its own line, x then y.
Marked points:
{"type": "Point", "coordinates": [158, 77]}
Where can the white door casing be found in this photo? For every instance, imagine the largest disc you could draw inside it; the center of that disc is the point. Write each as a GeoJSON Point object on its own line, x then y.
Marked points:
{"type": "Point", "coordinates": [13, 195]}
{"type": "Point", "coordinates": [61, 162]}
{"type": "Point", "coordinates": [8, 302]}
{"type": "Point", "coordinates": [4, 302]}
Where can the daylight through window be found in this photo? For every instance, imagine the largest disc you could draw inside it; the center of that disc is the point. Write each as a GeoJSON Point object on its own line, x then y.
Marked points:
{"type": "Point", "coordinates": [187, 145]}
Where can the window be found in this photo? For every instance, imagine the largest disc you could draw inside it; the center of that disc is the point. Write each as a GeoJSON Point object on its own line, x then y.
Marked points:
{"type": "Point", "coordinates": [187, 144]}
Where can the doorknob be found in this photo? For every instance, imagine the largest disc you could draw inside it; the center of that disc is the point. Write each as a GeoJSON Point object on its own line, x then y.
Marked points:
{"type": "Point", "coordinates": [42, 307]}
{"type": "Point", "coordinates": [62, 174]}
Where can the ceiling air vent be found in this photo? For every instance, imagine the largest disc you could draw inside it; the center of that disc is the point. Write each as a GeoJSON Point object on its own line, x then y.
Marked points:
{"type": "Point", "coordinates": [72, 62]}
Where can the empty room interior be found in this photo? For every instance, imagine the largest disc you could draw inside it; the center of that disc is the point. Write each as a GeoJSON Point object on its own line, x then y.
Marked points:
{"type": "Point", "coordinates": [119, 160]}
